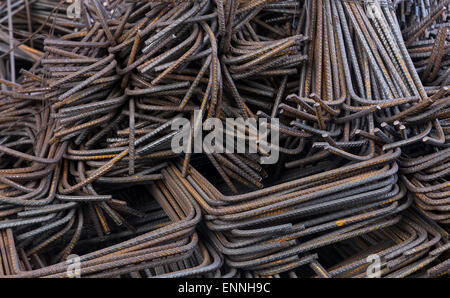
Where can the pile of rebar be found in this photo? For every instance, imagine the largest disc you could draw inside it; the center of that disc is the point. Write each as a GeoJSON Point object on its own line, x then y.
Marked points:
{"type": "Point", "coordinates": [356, 90]}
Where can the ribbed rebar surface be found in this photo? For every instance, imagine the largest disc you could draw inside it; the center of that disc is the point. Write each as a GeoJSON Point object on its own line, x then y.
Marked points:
{"type": "Point", "coordinates": [356, 90]}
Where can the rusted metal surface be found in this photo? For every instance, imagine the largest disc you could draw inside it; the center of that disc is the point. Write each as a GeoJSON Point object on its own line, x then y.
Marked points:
{"type": "Point", "coordinates": [360, 89]}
